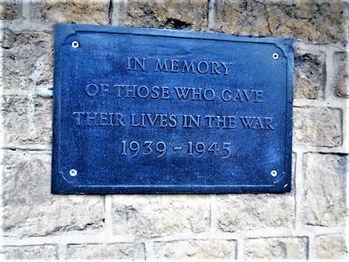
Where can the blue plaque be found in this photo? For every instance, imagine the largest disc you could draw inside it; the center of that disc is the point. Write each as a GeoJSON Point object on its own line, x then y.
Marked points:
{"type": "Point", "coordinates": [164, 111]}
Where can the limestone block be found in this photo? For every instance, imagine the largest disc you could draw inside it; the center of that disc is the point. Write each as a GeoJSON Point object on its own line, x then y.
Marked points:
{"type": "Point", "coordinates": [32, 252]}
{"type": "Point", "coordinates": [29, 209]}
{"type": "Point", "coordinates": [9, 9]}
{"type": "Point", "coordinates": [109, 251]}
{"type": "Point", "coordinates": [321, 22]}
{"type": "Point", "coordinates": [195, 249]}
{"type": "Point", "coordinates": [341, 67]}
{"type": "Point", "coordinates": [152, 216]}
{"type": "Point", "coordinates": [323, 202]}
{"type": "Point", "coordinates": [331, 247]}
{"type": "Point", "coordinates": [27, 60]}
{"type": "Point", "coordinates": [276, 248]}
{"type": "Point", "coordinates": [310, 75]}
{"type": "Point", "coordinates": [26, 120]}
{"type": "Point", "coordinates": [166, 14]}
{"type": "Point", "coordinates": [66, 11]}
{"type": "Point", "coordinates": [254, 211]}
{"type": "Point", "coordinates": [317, 126]}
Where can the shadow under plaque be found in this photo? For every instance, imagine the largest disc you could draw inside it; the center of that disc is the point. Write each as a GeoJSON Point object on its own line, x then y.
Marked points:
{"type": "Point", "coordinates": [164, 111]}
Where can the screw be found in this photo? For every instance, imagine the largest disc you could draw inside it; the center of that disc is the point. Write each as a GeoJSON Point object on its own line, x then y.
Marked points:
{"type": "Point", "coordinates": [274, 173]}
{"type": "Point", "coordinates": [275, 56]}
{"type": "Point", "coordinates": [75, 44]}
{"type": "Point", "coordinates": [73, 172]}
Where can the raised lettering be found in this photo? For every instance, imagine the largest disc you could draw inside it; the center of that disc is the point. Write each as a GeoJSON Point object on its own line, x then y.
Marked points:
{"type": "Point", "coordinates": [174, 66]}
{"type": "Point", "coordinates": [226, 66]}
{"type": "Point", "coordinates": [206, 68]}
{"type": "Point", "coordinates": [188, 69]}
{"type": "Point", "coordinates": [161, 67]}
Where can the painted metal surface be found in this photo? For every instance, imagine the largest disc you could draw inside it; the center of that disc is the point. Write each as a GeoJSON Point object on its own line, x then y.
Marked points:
{"type": "Point", "coordinates": [163, 111]}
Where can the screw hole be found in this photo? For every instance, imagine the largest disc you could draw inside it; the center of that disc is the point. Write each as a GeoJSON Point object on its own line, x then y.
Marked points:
{"type": "Point", "coordinates": [274, 173]}
{"type": "Point", "coordinates": [73, 172]}
{"type": "Point", "coordinates": [75, 44]}
{"type": "Point", "coordinates": [275, 56]}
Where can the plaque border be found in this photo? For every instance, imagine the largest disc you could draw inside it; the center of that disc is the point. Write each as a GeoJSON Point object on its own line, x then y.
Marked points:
{"type": "Point", "coordinates": [59, 185]}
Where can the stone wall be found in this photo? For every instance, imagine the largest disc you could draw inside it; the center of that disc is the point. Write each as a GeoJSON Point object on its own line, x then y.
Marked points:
{"type": "Point", "coordinates": [307, 223]}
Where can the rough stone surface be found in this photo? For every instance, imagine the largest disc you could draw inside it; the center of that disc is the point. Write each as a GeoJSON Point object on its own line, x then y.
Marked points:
{"type": "Point", "coordinates": [34, 252]}
{"type": "Point", "coordinates": [29, 209]}
{"type": "Point", "coordinates": [152, 216]}
{"type": "Point", "coordinates": [276, 248]}
{"type": "Point", "coordinates": [310, 75]}
{"type": "Point", "coordinates": [317, 126]}
{"type": "Point", "coordinates": [9, 9]}
{"type": "Point", "coordinates": [27, 60]}
{"type": "Point", "coordinates": [26, 120]}
{"type": "Point", "coordinates": [112, 251]}
{"type": "Point", "coordinates": [251, 212]}
{"type": "Point", "coordinates": [331, 247]}
{"type": "Point", "coordinates": [318, 22]}
{"type": "Point", "coordinates": [324, 201]}
{"type": "Point", "coordinates": [65, 11]}
{"type": "Point", "coordinates": [341, 67]}
{"type": "Point", "coordinates": [195, 249]}
{"type": "Point", "coordinates": [166, 14]}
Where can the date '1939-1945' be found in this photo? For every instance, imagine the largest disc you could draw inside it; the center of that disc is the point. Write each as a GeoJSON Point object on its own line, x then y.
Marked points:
{"type": "Point", "coordinates": [159, 149]}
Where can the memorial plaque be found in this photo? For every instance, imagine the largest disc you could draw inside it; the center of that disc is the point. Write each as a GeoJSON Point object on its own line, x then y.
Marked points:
{"type": "Point", "coordinates": [164, 111]}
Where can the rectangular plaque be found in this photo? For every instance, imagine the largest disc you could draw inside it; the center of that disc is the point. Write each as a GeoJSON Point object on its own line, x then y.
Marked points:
{"type": "Point", "coordinates": [163, 111]}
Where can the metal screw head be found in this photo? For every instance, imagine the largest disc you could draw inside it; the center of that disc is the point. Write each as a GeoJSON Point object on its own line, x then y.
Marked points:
{"type": "Point", "coordinates": [73, 172]}
{"type": "Point", "coordinates": [274, 173]}
{"type": "Point", "coordinates": [275, 56]}
{"type": "Point", "coordinates": [75, 44]}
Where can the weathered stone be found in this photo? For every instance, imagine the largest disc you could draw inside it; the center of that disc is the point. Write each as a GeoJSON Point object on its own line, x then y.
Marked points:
{"type": "Point", "coordinates": [27, 60]}
{"type": "Point", "coordinates": [310, 75]}
{"type": "Point", "coordinates": [29, 209]}
{"type": "Point", "coordinates": [251, 212]}
{"type": "Point", "coordinates": [320, 22]}
{"type": "Point", "coordinates": [195, 249]}
{"type": "Point", "coordinates": [276, 248]}
{"type": "Point", "coordinates": [65, 11]}
{"type": "Point", "coordinates": [166, 14]}
{"type": "Point", "coordinates": [323, 202]}
{"type": "Point", "coordinates": [9, 9]}
{"type": "Point", "coordinates": [112, 251]}
{"type": "Point", "coordinates": [317, 126]}
{"type": "Point", "coordinates": [341, 67]}
{"type": "Point", "coordinates": [26, 120]}
{"type": "Point", "coordinates": [242, 17]}
{"type": "Point", "coordinates": [331, 247]}
{"type": "Point", "coordinates": [33, 252]}
{"type": "Point", "coordinates": [152, 216]}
